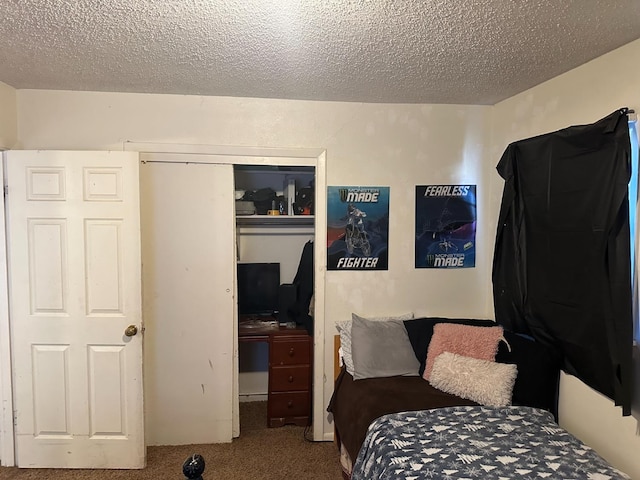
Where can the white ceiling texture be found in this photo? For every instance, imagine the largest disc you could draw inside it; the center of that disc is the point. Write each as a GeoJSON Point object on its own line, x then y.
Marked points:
{"type": "Point", "coordinates": [396, 51]}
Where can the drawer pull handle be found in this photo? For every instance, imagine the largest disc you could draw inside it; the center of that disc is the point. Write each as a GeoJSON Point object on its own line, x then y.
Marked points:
{"type": "Point", "coordinates": [290, 378]}
{"type": "Point", "coordinates": [290, 404]}
{"type": "Point", "coordinates": [292, 352]}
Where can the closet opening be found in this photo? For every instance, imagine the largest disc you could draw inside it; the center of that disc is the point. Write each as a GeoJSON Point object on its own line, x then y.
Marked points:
{"type": "Point", "coordinates": [275, 228]}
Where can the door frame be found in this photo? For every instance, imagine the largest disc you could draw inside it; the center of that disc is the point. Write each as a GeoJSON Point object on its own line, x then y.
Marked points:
{"type": "Point", "coordinates": [7, 440]}
{"type": "Point", "coordinates": [239, 155]}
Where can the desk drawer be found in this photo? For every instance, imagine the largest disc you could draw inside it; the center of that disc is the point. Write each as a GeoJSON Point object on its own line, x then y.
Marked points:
{"type": "Point", "coordinates": [290, 351]}
{"type": "Point", "coordinates": [291, 404]}
{"type": "Point", "coordinates": [286, 379]}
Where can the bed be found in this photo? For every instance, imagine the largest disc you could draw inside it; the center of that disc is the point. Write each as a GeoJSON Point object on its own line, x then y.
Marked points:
{"type": "Point", "coordinates": [476, 442]}
{"type": "Point", "coordinates": [356, 403]}
{"type": "Point", "coordinates": [395, 385]}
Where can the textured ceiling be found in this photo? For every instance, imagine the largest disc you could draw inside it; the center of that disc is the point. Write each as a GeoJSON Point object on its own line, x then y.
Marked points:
{"type": "Point", "coordinates": [398, 51]}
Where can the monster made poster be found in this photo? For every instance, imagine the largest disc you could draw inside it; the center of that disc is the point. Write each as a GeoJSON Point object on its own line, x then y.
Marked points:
{"type": "Point", "coordinates": [357, 228]}
{"type": "Point", "coordinates": [445, 226]}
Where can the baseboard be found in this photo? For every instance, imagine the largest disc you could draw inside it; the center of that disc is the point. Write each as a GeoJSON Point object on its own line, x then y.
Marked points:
{"type": "Point", "coordinates": [253, 397]}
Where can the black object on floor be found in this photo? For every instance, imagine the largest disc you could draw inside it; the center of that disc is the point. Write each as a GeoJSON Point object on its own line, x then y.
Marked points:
{"type": "Point", "coordinates": [193, 467]}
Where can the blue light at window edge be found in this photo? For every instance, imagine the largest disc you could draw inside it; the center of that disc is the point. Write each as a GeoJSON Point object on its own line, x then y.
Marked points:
{"type": "Point", "coordinates": [633, 204]}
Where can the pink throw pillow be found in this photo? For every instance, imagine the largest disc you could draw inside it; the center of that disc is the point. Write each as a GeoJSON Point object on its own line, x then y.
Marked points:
{"type": "Point", "coordinates": [466, 340]}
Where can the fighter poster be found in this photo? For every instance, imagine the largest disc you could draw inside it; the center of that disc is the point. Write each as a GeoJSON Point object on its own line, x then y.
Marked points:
{"type": "Point", "coordinates": [357, 228]}
{"type": "Point", "coordinates": [445, 226]}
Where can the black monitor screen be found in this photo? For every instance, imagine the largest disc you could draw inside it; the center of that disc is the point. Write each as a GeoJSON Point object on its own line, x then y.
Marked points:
{"type": "Point", "coordinates": [258, 285]}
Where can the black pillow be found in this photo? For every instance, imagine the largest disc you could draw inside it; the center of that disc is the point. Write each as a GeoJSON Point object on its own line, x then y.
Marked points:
{"type": "Point", "coordinates": [538, 372]}
{"type": "Point", "coordinates": [420, 331]}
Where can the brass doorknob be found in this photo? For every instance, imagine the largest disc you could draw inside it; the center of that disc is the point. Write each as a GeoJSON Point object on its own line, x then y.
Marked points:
{"type": "Point", "coordinates": [131, 330]}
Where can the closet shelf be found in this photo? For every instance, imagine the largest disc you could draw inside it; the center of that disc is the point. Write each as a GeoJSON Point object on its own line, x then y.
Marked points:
{"type": "Point", "coordinates": [292, 220]}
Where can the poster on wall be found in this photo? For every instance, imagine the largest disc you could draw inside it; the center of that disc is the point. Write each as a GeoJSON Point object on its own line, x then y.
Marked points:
{"type": "Point", "coordinates": [445, 226]}
{"type": "Point", "coordinates": [357, 228]}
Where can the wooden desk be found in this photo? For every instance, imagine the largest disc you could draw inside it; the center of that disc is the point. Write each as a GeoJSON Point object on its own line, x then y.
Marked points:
{"type": "Point", "coordinates": [290, 354]}
{"type": "Point", "coordinates": [264, 333]}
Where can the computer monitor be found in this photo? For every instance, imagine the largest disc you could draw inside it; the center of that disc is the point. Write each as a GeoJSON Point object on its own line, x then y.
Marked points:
{"type": "Point", "coordinates": [258, 285]}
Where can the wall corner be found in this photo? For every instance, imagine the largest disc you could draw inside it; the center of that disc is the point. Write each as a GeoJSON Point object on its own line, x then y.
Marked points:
{"type": "Point", "coordinates": [8, 117]}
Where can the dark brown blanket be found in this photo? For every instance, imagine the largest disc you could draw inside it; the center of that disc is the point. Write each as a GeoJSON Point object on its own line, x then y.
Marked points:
{"type": "Point", "coordinates": [356, 403]}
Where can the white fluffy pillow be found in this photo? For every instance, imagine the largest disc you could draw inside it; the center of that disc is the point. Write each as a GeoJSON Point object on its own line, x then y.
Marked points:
{"type": "Point", "coordinates": [344, 329]}
{"type": "Point", "coordinates": [483, 381]}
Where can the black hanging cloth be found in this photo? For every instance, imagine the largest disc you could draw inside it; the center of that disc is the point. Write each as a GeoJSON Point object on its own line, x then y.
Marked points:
{"type": "Point", "coordinates": [304, 282]}
{"type": "Point", "coordinates": [561, 266]}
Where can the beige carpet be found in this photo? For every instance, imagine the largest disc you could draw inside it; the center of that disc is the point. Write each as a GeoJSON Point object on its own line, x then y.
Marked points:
{"type": "Point", "coordinates": [259, 453]}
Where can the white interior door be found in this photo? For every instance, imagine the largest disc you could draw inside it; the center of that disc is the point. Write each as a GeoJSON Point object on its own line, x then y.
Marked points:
{"type": "Point", "coordinates": [188, 257]}
{"type": "Point", "coordinates": [75, 286]}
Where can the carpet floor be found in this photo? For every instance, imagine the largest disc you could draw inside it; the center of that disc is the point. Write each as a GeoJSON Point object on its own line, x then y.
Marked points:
{"type": "Point", "coordinates": [259, 453]}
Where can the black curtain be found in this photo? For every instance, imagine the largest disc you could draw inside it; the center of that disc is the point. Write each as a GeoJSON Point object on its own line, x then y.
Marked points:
{"type": "Point", "coordinates": [561, 267]}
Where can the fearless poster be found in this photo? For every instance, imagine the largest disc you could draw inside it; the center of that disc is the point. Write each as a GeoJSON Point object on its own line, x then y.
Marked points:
{"type": "Point", "coordinates": [445, 226]}
{"type": "Point", "coordinates": [357, 228]}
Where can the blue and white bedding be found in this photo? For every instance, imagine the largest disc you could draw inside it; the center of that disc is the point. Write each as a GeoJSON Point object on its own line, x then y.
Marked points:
{"type": "Point", "coordinates": [476, 442]}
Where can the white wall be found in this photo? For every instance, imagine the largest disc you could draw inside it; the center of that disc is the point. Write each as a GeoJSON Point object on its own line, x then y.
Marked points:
{"type": "Point", "coordinates": [8, 117]}
{"type": "Point", "coordinates": [581, 96]}
{"type": "Point", "coordinates": [272, 244]}
{"type": "Point", "coordinates": [367, 144]}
